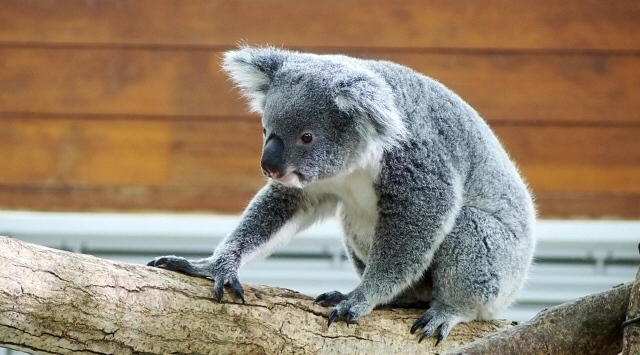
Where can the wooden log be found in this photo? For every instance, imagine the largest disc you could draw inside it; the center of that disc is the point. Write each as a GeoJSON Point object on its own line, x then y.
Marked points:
{"type": "Point", "coordinates": [56, 302]}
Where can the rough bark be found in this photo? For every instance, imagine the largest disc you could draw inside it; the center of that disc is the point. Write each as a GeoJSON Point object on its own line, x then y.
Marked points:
{"type": "Point", "coordinates": [588, 325]}
{"type": "Point", "coordinates": [55, 302]}
{"type": "Point", "coordinates": [631, 342]}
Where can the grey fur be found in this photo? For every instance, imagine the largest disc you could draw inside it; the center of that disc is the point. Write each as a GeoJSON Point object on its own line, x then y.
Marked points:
{"type": "Point", "coordinates": [432, 207]}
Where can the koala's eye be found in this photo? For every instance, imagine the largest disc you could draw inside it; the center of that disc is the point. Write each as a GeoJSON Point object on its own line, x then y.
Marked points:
{"type": "Point", "coordinates": [264, 131]}
{"type": "Point", "coordinates": [306, 138]}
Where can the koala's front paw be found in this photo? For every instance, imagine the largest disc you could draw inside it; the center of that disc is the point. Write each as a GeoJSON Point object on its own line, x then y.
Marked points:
{"type": "Point", "coordinates": [352, 308]}
{"type": "Point", "coordinates": [329, 299]}
{"type": "Point", "coordinates": [222, 273]}
{"type": "Point", "coordinates": [176, 263]}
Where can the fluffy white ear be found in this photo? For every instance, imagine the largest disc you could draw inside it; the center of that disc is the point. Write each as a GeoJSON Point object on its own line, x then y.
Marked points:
{"type": "Point", "coordinates": [371, 99]}
{"type": "Point", "coordinates": [252, 69]}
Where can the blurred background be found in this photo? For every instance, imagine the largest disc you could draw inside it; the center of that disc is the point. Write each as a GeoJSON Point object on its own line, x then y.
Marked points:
{"type": "Point", "coordinates": [121, 137]}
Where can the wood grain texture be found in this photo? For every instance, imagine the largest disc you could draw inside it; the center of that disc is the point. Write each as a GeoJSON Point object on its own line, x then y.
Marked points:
{"type": "Point", "coordinates": [610, 205]}
{"type": "Point", "coordinates": [122, 152]}
{"type": "Point", "coordinates": [484, 24]}
{"type": "Point", "coordinates": [502, 87]}
{"type": "Point", "coordinates": [116, 152]}
{"type": "Point", "coordinates": [590, 325]}
{"type": "Point", "coordinates": [213, 165]}
{"type": "Point", "coordinates": [56, 302]}
{"type": "Point", "coordinates": [129, 164]}
{"type": "Point", "coordinates": [115, 81]}
{"type": "Point", "coordinates": [121, 105]}
{"type": "Point", "coordinates": [575, 158]}
{"type": "Point", "coordinates": [233, 200]}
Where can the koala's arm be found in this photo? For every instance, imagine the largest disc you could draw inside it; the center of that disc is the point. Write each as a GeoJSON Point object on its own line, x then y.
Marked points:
{"type": "Point", "coordinates": [417, 207]}
{"type": "Point", "coordinates": [411, 226]}
{"type": "Point", "coordinates": [274, 215]}
{"type": "Point", "coordinates": [268, 220]}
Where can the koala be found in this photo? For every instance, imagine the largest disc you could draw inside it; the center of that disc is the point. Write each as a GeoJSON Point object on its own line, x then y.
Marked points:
{"type": "Point", "coordinates": [433, 210]}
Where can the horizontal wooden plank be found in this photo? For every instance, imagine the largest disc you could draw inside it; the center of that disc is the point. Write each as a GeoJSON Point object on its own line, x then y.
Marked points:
{"type": "Point", "coordinates": [124, 198]}
{"type": "Point", "coordinates": [487, 24]}
{"type": "Point", "coordinates": [186, 165]}
{"type": "Point", "coordinates": [100, 152]}
{"type": "Point", "coordinates": [575, 159]}
{"type": "Point", "coordinates": [115, 81]}
{"type": "Point", "coordinates": [502, 87]}
{"type": "Point", "coordinates": [208, 153]}
{"type": "Point", "coordinates": [125, 152]}
{"type": "Point", "coordinates": [588, 205]}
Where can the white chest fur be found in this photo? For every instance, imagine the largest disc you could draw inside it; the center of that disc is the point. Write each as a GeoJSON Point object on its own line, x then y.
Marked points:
{"type": "Point", "coordinates": [357, 207]}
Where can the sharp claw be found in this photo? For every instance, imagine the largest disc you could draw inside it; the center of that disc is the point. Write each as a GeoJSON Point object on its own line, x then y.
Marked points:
{"type": "Point", "coordinates": [423, 337]}
{"type": "Point", "coordinates": [320, 298]}
{"type": "Point", "coordinates": [158, 262]}
{"type": "Point", "coordinates": [218, 289]}
{"type": "Point", "coordinates": [332, 316]}
{"type": "Point", "coordinates": [350, 318]}
{"type": "Point", "coordinates": [240, 295]}
{"type": "Point", "coordinates": [440, 337]}
{"type": "Point", "coordinates": [418, 324]}
{"type": "Point", "coordinates": [237, 289]}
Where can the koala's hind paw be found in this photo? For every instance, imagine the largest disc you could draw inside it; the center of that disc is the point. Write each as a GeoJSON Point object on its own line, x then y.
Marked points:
{"type": "Point", "coordinates": [351, 309]}
{"type": "Point", "coordinates": [437, 317]}
{"type": "Point", "coordinates": [329, 299]}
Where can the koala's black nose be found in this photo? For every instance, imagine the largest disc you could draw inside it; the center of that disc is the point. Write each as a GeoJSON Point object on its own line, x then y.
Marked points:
{"type": "Point", "coordinates": [272, 157]}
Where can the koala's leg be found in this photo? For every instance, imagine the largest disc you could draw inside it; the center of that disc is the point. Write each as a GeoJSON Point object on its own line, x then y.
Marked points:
{"type": "Point", "coordinates": [476, 272]}
{"type": "Point", "coordinates": [274, 215]}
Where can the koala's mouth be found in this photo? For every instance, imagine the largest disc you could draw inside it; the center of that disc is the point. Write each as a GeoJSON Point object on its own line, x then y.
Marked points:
{"type": "Point", "coordinates": [292, 178]}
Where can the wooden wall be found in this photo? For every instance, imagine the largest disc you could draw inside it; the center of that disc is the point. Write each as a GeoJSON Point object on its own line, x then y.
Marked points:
{"type": "Point", "coordinates": [121, 105]}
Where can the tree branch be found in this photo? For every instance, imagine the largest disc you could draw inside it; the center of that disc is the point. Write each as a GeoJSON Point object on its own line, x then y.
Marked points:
{"type": "Point", "coordinates": [587, 325]}
{"type": "Point", "coordinates": [56, 302]}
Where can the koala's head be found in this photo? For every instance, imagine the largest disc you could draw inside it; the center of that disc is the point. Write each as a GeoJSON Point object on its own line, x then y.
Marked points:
{"type": "Point", "coordinates": [322, 115]}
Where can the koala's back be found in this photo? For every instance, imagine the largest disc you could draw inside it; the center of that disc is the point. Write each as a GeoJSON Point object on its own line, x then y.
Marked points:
{"type": "Point", "coordinates": [438, 118]}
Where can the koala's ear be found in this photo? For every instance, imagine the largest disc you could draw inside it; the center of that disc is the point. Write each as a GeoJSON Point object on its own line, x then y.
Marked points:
{"type": "Point", "coordinates": [371, 99]}
{"type": "Point", "coordinates": [252, 69]}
